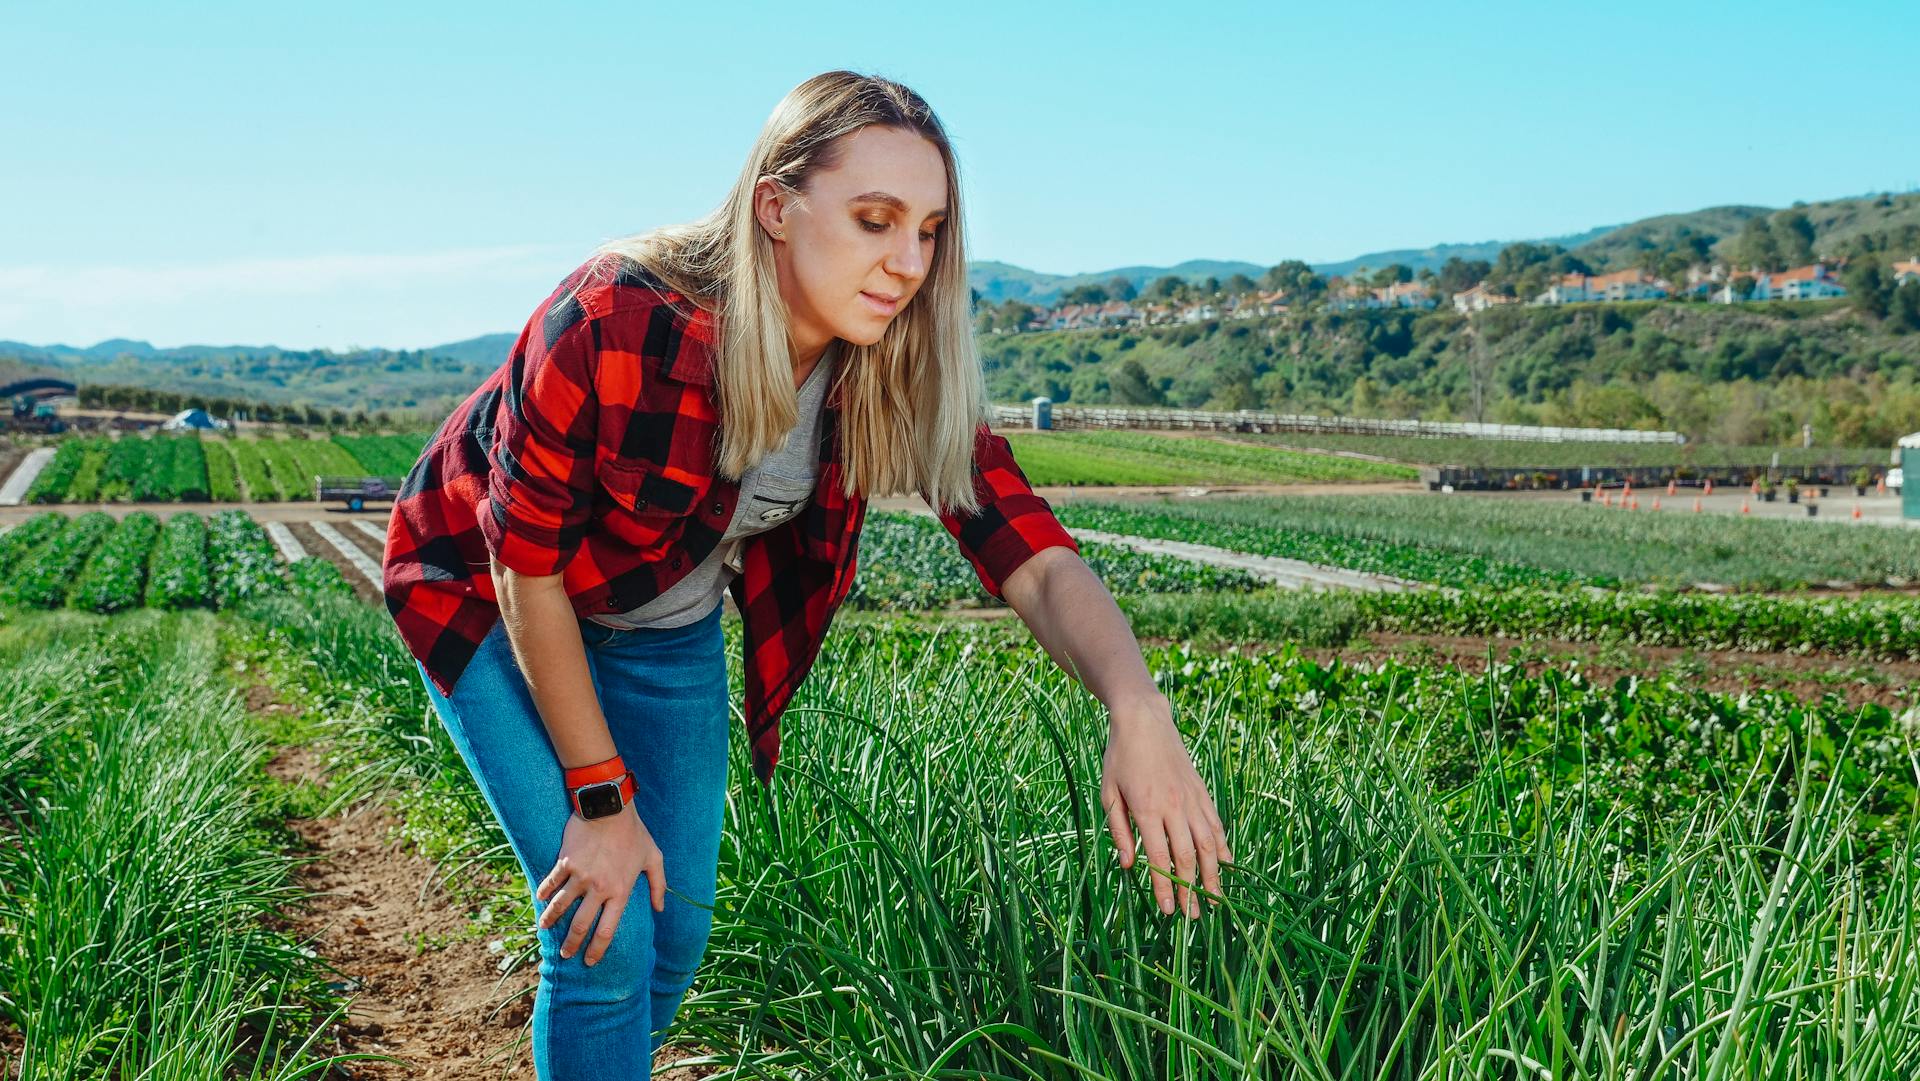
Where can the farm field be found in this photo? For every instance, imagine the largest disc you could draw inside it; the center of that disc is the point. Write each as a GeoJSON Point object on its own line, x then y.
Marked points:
{"type": "Point", "coordinates": [1115, 457]}
{"type": "Point", "coordinates": [1497, 542]}
{"type": "Point", "coordinates": [187, 468]}
{"type": "Point", "coordinates": [1521, 454]}
{"type": "Point", "coordinates": [170, 468]}
{"type": "Point", "coordinates": [1627, 847]}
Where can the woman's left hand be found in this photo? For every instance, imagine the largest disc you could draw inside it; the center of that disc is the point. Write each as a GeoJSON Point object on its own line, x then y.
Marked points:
{"type": "Point", "coordinates": [1148, 773]}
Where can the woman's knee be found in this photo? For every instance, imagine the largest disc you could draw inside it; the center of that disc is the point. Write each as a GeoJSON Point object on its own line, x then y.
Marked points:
{"type": "Point", "coordinates": [625, 968]}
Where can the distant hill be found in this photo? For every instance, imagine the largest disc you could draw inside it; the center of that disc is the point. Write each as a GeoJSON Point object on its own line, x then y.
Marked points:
{"type": "Point", "coordinates": [385, 378]}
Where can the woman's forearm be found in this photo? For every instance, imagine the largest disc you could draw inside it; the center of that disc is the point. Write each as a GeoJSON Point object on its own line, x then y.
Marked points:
{"type": "Point", "coordinates": [545, 635]}
{"type": "Point", "coordinates": [1075, 619]}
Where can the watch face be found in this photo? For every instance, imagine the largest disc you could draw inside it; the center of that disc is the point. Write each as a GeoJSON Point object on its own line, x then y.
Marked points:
{"type": "Point", "coordinates": [599, 800]}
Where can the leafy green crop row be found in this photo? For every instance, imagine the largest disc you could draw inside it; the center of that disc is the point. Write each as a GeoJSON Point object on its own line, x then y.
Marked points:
{"type": "Point", "coordinates": [1117, 457]}
{"type": "Point", "coordinates": [241, 557]}
{"type": "Point", "coordinates": [1469, 540]}
{"type": "Point", "coordinates": [115, 575]}
{"type": "Point", "coordinates": [384, 455]}
{"type": "Point", "coordinates": [1246, 526]}
{"type": "Point", "coordinates": [910, 561]}
{"type": "Point", "coordinates": [43, 581]}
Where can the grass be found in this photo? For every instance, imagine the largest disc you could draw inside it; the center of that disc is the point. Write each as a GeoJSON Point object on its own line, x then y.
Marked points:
{"type": "Point", "coordinates": [1467, 540]}
{"type": "Point", "coordinates": [1440, 874]}
{"type": "Point", "coordinates": [139, 878]}
{"type": "Point", "coordinates": [1098, 458]}
{"type": "Point", "coordinates": [1521, 454]}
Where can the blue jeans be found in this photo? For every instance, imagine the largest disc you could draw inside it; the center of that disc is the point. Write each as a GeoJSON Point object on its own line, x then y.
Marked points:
{"type": "Point", "coordinates": [664, 694]}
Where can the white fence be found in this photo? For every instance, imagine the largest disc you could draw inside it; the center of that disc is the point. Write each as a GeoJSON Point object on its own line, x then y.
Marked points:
{"type": "Point", "coordinates": [1247, 420]}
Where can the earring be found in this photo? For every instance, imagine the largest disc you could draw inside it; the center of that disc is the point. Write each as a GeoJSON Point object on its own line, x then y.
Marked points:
{"type": "Point", "coordinates": [776, 232]}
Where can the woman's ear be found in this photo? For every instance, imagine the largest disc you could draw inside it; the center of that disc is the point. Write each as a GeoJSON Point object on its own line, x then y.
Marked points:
{"type": "Point", "coordinates": [769, 209]}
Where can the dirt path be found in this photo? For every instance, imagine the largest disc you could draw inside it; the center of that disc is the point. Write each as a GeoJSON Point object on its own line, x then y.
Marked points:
{"type": "Point", "coordinates": [423, 989]}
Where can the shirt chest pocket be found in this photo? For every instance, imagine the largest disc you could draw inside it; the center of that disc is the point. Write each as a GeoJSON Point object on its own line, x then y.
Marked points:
{"type": "Point", "coordinates": [646, 491]}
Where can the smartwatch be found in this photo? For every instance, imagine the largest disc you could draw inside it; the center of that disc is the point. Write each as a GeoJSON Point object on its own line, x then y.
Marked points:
{"type": "Point", "coordinates": [601, 789]}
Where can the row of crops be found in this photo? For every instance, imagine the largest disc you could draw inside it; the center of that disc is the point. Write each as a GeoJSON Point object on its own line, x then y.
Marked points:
{"type": "Point", "coordinates": [1469, 541]}
{"type": "Point", "coordinates": [1521, 454]}
{"type": "Point", "coordinates": [908, 562]}
{"type": "Point", "coordinates": [197, 467]}
{"type": "Point", "coordinates": [1439, 874]}
{"type": "Point", "coordinates": [194, 468]}
{"type": "Point", "coordinates": [1118, 457]}
{"type": "Point", "coordinates": [94, 563]}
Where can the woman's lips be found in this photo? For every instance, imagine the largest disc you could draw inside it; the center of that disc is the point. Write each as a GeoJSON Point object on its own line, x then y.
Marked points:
{"type": "Point", "coordinates": [881, 307]}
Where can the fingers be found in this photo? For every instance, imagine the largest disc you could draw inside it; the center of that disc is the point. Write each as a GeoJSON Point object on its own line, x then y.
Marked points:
{"type": "Point", "coordinates": [557, 907]}
{"type": "Point", "coordinates": [582, 923]}
{"type": "Point", "coordinates": [655, 869]}
{"type": "Point", "coordinates": [1185, 863]}
{"type": "Point", "coordinates": [1153, 833]}
{"type": "Point", "coordinates": [603, 934]}
{"type": "Point", "coordinates": [1117, 825]}
{"type": "Point", "coordinates": [562, 870]}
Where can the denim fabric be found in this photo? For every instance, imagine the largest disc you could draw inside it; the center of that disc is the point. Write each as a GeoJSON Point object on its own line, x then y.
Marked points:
{"type": "Point", "coordinates": [664, 694]}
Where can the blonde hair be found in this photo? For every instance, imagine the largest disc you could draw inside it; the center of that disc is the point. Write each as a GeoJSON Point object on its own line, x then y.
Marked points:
{"type": "Point", "coordinates": [912, 401]}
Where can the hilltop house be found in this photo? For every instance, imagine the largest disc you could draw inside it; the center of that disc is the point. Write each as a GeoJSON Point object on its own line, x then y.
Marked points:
{"type": "Point", "coordinates": [1814, 281]}
{"type": "Point", "coordinates": [1344, 295]}
{"type": "Point", "coordinates": [1620, 285]}
{"type": "Point", "coordinates": [1907, 271]}
{"type": "Point", "coordinates": [1477, 297]}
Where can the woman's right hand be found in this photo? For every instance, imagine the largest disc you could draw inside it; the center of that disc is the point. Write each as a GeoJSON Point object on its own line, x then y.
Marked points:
{"type": "Point", "coordinates": [600, 860]}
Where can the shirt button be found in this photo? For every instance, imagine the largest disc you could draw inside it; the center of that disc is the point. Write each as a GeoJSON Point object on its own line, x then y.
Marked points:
{"type": "Point", "coordinates": [639, 502]}
{"type": "Point", "coordinates": [676, 562]}
{"type": "Point", "coordinates": [611, 603]}
{"type": "Point", "coordinates": [718, 507]}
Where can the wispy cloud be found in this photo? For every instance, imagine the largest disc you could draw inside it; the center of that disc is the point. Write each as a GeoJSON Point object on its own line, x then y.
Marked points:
{"type": "Point", "coordinates": [395, 299]}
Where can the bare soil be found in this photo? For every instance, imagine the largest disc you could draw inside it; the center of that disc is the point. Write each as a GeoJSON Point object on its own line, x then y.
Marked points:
{"type": "Point", "coordinates": [320, 549]}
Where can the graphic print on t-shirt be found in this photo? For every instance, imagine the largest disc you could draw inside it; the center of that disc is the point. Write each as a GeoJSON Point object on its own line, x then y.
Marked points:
{"type": "Point", "coordinates": [780, 508]}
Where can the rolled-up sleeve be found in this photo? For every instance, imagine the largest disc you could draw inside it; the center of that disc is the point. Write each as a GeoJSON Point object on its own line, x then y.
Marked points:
{"type": "Point", "coordinates": [1012, 525]}
{"type": "Point", "coordinates": [541, 483]}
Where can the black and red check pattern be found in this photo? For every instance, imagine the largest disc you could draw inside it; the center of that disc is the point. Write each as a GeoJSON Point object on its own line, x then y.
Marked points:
{"type": "Point", "coordinates": [590, 453]}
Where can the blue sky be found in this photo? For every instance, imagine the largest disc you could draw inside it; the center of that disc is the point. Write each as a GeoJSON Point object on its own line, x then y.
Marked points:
{"type": "Point", "coordinates": [405, 174]}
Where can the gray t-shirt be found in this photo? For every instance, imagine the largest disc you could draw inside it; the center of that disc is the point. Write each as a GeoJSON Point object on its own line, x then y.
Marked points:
{"type": "Point", "coordinates": [770, 493]}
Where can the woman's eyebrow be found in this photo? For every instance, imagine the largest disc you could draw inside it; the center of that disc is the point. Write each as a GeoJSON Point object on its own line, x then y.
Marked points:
{"type": "Point", "coordinates": [893, 201]}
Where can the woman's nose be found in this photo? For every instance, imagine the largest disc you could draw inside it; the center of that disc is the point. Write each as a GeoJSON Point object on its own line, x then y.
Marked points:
{"type": "Point", "coordinates": [906, 259]}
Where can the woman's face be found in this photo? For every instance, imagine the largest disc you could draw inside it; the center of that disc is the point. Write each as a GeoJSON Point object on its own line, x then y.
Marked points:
{"type": "Point", "coordinates": [866, 235]}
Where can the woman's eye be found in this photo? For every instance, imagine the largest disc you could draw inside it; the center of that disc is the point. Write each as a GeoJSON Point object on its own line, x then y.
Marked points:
{"type": "Point", "coordinates": [880, 227]}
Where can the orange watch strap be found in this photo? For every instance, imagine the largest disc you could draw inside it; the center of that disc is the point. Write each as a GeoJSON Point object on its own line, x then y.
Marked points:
{"type": "Point", "coordinates": [599, 771]}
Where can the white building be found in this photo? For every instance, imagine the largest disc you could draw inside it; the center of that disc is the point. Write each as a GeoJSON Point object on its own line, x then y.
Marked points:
{"type": "Point", "coordinates": [1814, 281]}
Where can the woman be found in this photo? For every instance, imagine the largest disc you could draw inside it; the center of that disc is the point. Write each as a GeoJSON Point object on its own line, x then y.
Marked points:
{"type": "Point", "coordinates": [565, 539]}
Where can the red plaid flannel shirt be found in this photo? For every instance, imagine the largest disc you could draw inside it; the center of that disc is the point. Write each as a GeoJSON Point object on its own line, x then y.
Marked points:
{"type": "Point", "coordinates": [590, 453]}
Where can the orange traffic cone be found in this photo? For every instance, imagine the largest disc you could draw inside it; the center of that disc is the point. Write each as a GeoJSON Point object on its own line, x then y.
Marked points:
{"type": "Point", "coordinates": [1744, 508]}
{"type": "Point", "coordinates": [1709, 485]}
{"type": "Point", "coordinates": [1636, 503]}
{"type": "Point", "coordinates": [1754, 487]}
{"type": "Point", "coordinates": [1856, 512]}
{"type": "Point", "coordinates": [1696, 504]}
{"type": "Point", "coordinates": [1627, 487]}
{"type": "Point", "coordinates": [1881, 487]}
{"type": "Point", "coordinates": [1656, 501]}
{"type": "Point", "coordinates": [1672, 487]}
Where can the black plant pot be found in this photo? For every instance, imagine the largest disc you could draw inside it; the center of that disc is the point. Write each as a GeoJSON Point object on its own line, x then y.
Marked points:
{"type": "Point", "coordinates": [1813, 510]}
